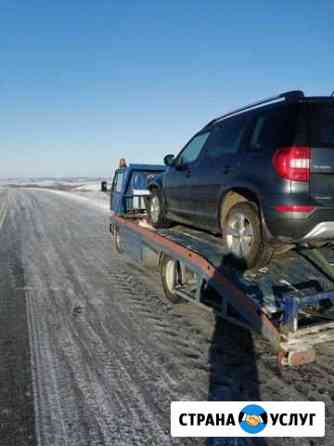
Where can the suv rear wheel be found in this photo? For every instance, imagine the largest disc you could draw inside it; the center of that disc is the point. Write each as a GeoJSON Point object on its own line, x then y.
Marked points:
{"type": "Point", "coordinates": [243, 236]}
{"type": "Point", "coordinates": [156, 210]}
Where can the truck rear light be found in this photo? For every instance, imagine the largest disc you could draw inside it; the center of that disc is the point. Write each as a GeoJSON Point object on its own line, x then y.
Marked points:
{"type": "Point", "coordinates": [294, 208]}
{"type": "Point", "coordinates": [293, 163]}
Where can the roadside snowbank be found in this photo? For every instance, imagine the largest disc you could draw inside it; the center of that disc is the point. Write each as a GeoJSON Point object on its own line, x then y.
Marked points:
{"type": "Point", "coordinates": [93, 187]}
{"type": "Point", "coordinates": [100, 200]}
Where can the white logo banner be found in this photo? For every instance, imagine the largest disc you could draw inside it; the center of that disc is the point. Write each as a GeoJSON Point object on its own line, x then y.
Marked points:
{"type": "Point", "coordinates": [248, 419]}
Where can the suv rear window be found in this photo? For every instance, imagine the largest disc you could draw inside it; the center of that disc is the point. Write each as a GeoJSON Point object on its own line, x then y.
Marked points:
{"type": "Point", "coordinates": [321, 125]}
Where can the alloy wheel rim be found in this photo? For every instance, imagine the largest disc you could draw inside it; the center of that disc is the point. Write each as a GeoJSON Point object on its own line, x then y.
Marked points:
{"type": "Point", "coordinates": [240, 235]}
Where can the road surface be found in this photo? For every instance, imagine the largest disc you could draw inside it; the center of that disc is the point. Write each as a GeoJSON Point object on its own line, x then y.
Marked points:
{"type": "Point", "coordinates": [93, 354]}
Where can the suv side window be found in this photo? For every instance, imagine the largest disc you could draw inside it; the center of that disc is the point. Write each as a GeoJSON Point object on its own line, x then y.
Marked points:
{"type": "Point", "coordinates": [273, 128]}
{"type": "Point", "coordinates": [226, 138]}
{"type": "Point", "coordinates": [192, 150]}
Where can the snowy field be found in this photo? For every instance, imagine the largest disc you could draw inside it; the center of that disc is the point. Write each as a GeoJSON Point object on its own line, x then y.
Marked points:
{"type": "Point", "coordinates": [80, 183]}
{"type": "Point", "coordinates": [87, 189]}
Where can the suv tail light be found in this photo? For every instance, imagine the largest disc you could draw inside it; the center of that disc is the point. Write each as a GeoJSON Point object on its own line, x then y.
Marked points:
{"type": "Point", "coordinates": [293, 163]}
{"type": "Point", "coordinates": [303, 209]}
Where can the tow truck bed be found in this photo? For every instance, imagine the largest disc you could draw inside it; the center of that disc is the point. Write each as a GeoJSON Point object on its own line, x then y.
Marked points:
{"type": "Point", "coordinates": [290, 302]}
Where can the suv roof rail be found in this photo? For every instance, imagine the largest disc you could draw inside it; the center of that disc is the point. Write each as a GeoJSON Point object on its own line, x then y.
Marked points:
{"type": "Point", "coordinates": [288, 95]}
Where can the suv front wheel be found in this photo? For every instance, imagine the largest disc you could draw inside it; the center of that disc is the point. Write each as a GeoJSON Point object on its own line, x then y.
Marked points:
{"type": "Point", "coordinates": [243, 236]}
{"type": "Point", "coordinates": [156, 210]}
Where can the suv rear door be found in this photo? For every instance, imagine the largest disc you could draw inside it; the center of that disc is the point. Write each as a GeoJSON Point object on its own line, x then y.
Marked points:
{"type": "Point", "coordinates": [320, 126]}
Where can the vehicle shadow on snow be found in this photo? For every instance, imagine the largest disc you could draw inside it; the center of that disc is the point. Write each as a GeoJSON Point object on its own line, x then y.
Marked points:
{"type": "Point", "coordinates": [233, 370]}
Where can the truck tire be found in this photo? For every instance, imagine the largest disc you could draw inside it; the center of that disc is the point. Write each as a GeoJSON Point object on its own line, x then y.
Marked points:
{"type": "Point", "coordinates": [156, 210]}
{"type": "Point", "coordinates": [171, 275]}
{"type": "Point", "coordinates": [242, 234]}
{"type": "Point", "coordinates": [117, 240]}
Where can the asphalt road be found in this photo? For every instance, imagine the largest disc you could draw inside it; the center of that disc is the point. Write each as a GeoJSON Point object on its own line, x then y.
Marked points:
{"type": "Point", "coordinates": [93, 354]}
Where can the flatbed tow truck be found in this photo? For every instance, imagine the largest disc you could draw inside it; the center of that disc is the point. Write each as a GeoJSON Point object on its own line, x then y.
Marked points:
{"type": "Point", "coordinates": [290, 302]}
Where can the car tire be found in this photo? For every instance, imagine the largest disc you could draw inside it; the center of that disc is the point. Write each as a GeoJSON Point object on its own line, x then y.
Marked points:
{"type": "Point", "coordinates": [171, 275]}
{"type": "Point", "coordinates": [156, 210]}
{"type": "Point", "coordinates": [242, 235]}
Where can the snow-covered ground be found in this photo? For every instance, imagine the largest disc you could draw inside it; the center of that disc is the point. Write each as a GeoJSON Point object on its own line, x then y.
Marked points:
{"type": "Point", "coordinates": [89, 192]}
{"type": "Point", "coordinates": [79, 189]}
{"type": "Point", "coordinates": [95, 198]}
{"type": "Point", "coordinates": [82, 183]}
{"type": "Point", "coordinates": [89, 187]}
{"type": "Point", "coordinates": [108, 352]}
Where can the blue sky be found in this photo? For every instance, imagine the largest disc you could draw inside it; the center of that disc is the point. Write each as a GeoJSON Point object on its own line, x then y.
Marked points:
{"type": "Point", "coordinates": [85, 82]}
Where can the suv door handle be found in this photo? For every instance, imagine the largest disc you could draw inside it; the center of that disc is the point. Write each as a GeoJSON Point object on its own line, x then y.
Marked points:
{"type": "Point", "coordinates": [227, 168]}
{"type": "Point", "coordinates": [188, 173]}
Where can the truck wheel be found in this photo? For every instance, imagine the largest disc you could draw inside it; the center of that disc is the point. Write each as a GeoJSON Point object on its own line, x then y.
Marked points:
{"type": "Point", "coordinates": [171, 276]}
{"type": "Point", "coordinates": [117, 240]}
{"type": "Point", "coordinates": [243, 237]}
{"type": "Point", "coordinates": [156, 210]}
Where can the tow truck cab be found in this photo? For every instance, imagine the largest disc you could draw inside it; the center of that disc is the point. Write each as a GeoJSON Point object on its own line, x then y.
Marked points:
{"type": "Point", "coordinates": [129, 188]}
